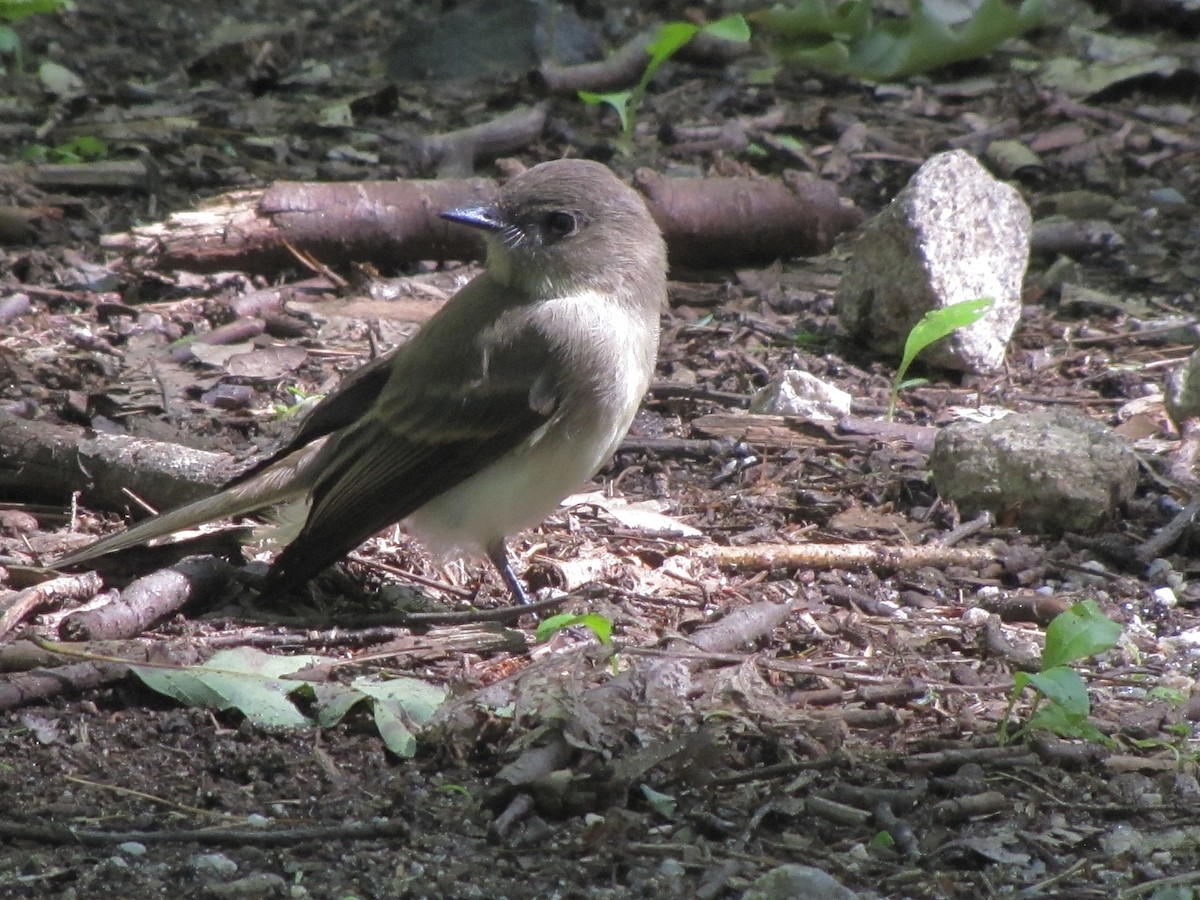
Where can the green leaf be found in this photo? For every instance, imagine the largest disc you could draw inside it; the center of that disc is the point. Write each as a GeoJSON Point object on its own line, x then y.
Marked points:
{"type": "Point", "coordinates": [731, 28]}
{"type": "Point", "coordinates": [402, 707]}
{"type": "Point", "coordinates": [600, 626]}
{"type": "Point", "coordinates": [847, 41]}
{"type": "Point", "coordinates": [815, 21]}
{"type": "Point", "coordinates": [1063, 687]}
{"type": "Point", "coordinates": [1080, 632]}
{"type": "Point", "coordinates": [883, 839]}
{"type": "Point", "coordinates": [935, 325]}
{"type": "Point", "coordinates": [333, 700]}
{"type": "Point", "coordinates": [618, 100]}
{"type": "Point", "coordinates": [1055, 719]}
{"type": "Point", "coordinates": [938, 323]}
{"type": "Point", "coordinates": [663, 804]}
{"type": "Point", "coordinates": [84, 147]}
{"type": "Point", "coordinates": [418, 699]}
{"type": "Point", "coordinates": [243, 679]}
{"type": "Point", "coordinates": [16, 10]}
{"type": "Point", "coordinates": [666, 44]}
{"type": "Point", "coordinates": [397, 735]}
{"type": "Point", "coordinates": [9, 42]}
{"type": "Point", "coordinates": [1167, 695]}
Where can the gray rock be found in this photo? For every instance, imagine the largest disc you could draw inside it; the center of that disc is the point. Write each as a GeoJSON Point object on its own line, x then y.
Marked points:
{"type": "Point", "coordinates": [795, 882]}
{"type": "Point", "coordinates": [1182, 396]}
{"type": "Point", "coordinates": [1047, 471]}
{"type": "Point", "coordinates": [213, 865]}
{"type": "Point", "coordinates": [954, 233]}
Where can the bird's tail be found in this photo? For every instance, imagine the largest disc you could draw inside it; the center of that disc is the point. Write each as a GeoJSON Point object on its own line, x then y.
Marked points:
{"type": "Point", "coordinates": [287, 480]}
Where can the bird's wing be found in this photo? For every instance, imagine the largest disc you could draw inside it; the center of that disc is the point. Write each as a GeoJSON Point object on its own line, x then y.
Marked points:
{"type": "Point", "coordinates": [353, 397]}
{"type": "Point", "coordinates": [423, 436]}
{"type": "Point", "coordinates": [282, 476]}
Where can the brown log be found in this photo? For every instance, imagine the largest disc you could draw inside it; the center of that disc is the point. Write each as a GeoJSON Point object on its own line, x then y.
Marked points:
{"type": "Point", "coordinates": [39, 459]}
{"type": "Point", "coordinates": [711, 222]}
{"type": "Point", "coordinates": [387, 223]}
{"type": "Point", "coordinates": [707, 222]}
{"type": "Point", "coordinates": [105, 175]}
{"type": "Point", "coordinates": [621, 68]}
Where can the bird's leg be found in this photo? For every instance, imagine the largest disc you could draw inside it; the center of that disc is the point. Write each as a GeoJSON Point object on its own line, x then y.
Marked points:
{"type": "Point", "coordinates": [498, 554]}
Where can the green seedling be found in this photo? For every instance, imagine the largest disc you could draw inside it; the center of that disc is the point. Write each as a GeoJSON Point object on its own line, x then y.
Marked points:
{"type": "Point", "coordinates": [934, 325]}
{"type": "Point", "coordinates": [671, 37]}
{"type": "Point", "coordinates": [15, 11]}
{"type": "Point", "coordinates": [1061, 704]}
{"type": "Point", "coordinates": [844, 38]}
{"type": "Point", "coordinates": [302, 400]}
{"type": "Point", "coordinates": [600, 626]}
{"type": "Point", "coordinates": [77, 150]}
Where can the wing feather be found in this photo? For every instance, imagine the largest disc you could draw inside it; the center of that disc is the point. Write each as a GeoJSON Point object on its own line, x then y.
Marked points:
{"type": "Point", "coordinates": [418, 441]}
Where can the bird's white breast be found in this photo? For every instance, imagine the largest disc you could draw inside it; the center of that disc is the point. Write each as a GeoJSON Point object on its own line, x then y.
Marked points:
{"type": "Point", "coordinates": [523, 487]}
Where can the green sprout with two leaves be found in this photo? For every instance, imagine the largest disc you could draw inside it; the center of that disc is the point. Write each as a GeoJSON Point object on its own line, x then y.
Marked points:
{"type": "Point", "coordinates": [669, 40]}
{"type": "Point", "coordinates": [85, 148]}
{"type": "Point", "coordinates": [1061, 705]}
{"type": "Point", "coordinates": [934, 325]}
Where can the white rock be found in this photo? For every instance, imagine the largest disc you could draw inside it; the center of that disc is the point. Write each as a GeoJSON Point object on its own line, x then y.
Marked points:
{"type": "Point", "coordinates": [797, 393]}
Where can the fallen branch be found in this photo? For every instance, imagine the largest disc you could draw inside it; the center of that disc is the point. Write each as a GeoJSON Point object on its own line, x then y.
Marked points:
{"type": "Point", "coordinates": [41, 684]}
{"type": "Point", "coordinates": [711, 222]}
{"type": "Point", "coordinates": [454, 153]}
{"type": "Point", "coordinates": [621, 68]}
{"type": "Point", "coordinates": [40, 459]}
{"type": "Point", "coordinates": [151, 599]}
{"type": "Point", "coordinates": [105, 175]}
{"type": "Point", "coordinates": [767, 557]}
{"type": "Point", "coordinates": [55, 592]}
{"type": "Point", "coordinates": [391, 829]}
{"type": "Point", "coordinates": [707, 222]}
{"type": "Point", "coordinates": [337, 222]}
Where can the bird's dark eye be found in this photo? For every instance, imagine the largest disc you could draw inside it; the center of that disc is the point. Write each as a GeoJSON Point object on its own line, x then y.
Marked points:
{"type": "Point", "coordinates": [560, 224]}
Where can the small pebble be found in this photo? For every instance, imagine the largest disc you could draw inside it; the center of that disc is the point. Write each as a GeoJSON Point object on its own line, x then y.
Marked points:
{"type": "Point", "coordinates": [1165, 597]}
{"type": "Point", "coordinates": [1118, 840]}
{"type": "Point", "coordinates": [213, 864]}
{"type": "Point", "coordinates": [672, 868]}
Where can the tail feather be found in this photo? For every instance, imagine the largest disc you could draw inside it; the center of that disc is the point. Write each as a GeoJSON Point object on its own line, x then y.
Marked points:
{"type": "Point", "coordinates": [286, 480]}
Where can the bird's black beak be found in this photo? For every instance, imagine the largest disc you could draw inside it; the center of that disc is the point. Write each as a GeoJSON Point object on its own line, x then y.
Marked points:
{"type": "Point", "coordinates": [486, 218]}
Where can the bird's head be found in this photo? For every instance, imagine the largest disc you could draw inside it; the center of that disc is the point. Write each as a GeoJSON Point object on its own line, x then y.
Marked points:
{"type": "Point", "coordinates": [565, 226]}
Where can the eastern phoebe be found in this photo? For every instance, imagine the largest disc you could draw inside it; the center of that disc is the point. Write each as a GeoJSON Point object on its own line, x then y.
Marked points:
{"type": "Point", "coordinates": [512, 395]}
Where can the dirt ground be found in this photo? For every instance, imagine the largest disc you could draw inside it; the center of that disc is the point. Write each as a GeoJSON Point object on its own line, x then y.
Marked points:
{"type": "Point", "coordinates": [857, 733]}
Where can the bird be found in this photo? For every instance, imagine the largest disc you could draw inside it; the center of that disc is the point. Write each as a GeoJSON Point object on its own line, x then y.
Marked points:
{"type": "Point", "coordinates": [505, 401]}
